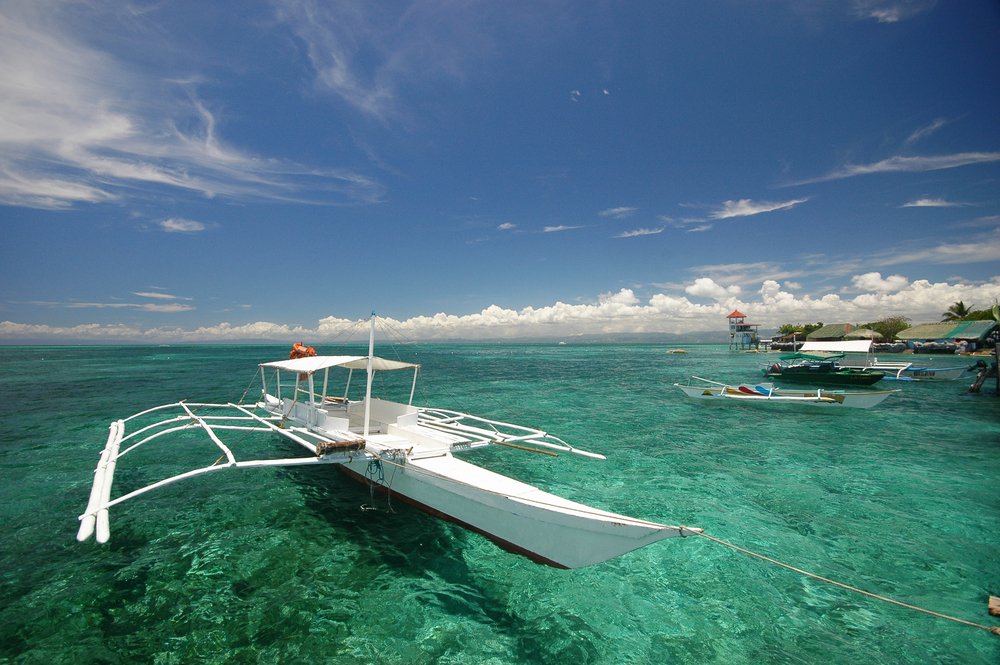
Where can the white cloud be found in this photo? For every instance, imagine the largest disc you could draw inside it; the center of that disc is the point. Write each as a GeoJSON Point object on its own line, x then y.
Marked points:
{"type": "Point", "coordinates": [746, 208]}
{"type": "Point", "coordinates": [931, 203]}
{"type": "Point", "coordinates": [506, 226]}
{"type": "Point", "coordinates": [144, 307]}
{"type": "Point", "coordinates": [705, 287]}
{"type": "Point", "coordinates": [557, 229]}
{"type": "Point", "coordinates": [976, 249]}
{"type": "Point", "coordinates": [639, 232]}
{"type": "Point", "coordinates": [78, 126]}
{"type": "Point", "coordinates": [618, 213]}
{"type": "Point", "coordinates": [891, 11]}
{"type": "Point", "coordinates": [370, 59]}
{"type": "Point", "coordinates": [873, 281]}
{"type": "Point", "coordinates": [612, 312]}
{"type": "Point", "coordinates": [179, 225]}
{"type": "Point", "coordinates": [158, 296]}
{"type": "Point", "coordinates": [900, 164]}
{"type": "Point", "coordinates": [745, 273]}
{"type": "Point", "coordinates": [924, 132]}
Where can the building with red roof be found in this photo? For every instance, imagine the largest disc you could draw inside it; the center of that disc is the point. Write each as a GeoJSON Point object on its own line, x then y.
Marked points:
{"type": "Point", "coordinates": [742, 334]}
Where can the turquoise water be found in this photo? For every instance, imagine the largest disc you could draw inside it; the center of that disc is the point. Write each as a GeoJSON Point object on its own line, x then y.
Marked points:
{"type": "Point", "coordinates": [282, 566]}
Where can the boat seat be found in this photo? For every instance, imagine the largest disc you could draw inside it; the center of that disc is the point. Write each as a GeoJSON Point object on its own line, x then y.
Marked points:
{"type": "Point", "coordinates": [427, 436]}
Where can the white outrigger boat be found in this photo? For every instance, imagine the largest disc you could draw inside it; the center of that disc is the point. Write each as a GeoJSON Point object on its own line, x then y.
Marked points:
{"type": "Point", "coordinates": [767, 393]}
{"type": "Point", "coordinates": [394, 447]}
{"type": "Point", "coordinates": [894, 370]}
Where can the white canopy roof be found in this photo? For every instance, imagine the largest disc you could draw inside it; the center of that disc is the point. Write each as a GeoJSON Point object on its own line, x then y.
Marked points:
{"type": "Point", "coordinates": [316, 363]}
{"type": "Point", "coordinates": [847, 346]}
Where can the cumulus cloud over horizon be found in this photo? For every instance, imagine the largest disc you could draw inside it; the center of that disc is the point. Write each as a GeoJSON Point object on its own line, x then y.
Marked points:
{"type": "Point", "coordinates": [701, 308]}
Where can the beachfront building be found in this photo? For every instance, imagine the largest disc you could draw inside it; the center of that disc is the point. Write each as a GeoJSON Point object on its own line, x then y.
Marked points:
{"type": "Point", "coordinates": [948, 337]}
{"type": "Point", "coordinates": [742, 335]}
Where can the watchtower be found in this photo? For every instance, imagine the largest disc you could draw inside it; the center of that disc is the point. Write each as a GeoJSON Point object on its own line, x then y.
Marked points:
{"type": "Point", "coordinates": [742, 335]}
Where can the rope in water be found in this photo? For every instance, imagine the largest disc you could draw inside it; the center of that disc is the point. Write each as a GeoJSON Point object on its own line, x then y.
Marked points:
{"type": "Point", "coordinates": [993, 629]}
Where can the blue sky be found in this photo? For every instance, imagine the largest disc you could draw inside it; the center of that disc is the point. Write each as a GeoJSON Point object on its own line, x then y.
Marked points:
{"type": "Point", "coordinates": [190, 171]}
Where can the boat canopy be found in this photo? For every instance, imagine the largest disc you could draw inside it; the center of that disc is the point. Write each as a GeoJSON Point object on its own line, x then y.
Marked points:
{"type": "Point", "coordinates": [818, 355]}
{"type": "Point", "coordinates": [846, 346]}
{"type": "Point", "coordinates": [313, 364]}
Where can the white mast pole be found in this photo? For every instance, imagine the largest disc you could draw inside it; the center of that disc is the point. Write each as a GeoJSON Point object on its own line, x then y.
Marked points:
{"type": "Point", "coordinates": [368, 387]}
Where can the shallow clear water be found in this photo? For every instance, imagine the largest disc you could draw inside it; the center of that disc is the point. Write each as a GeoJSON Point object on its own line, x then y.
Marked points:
{"type": "Point", "coordinates": [282, 565]}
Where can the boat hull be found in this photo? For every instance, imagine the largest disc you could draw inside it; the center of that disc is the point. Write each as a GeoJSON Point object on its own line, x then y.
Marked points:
{"type": "Point", "coordinates": [517, 517]}
{"type": "Point", "coordinates": [933, 373]}
{"type": "Point", "coordinates": [825, 377]}
{"type": "Point", "coordinates": [827, 399]}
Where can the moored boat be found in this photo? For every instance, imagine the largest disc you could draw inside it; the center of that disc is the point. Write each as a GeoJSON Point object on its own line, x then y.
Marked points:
{"type": "Point", "coordinates": [821, 370]}
{"type": "Point", "coordinates": [392, 446]}
{"type": "Point", "coordinates": [858, 354]}
{"type": "Point", "coordinates": [767, 393]}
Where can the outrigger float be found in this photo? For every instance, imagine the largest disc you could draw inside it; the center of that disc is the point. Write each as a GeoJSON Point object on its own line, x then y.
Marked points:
{"type": "Point", "coordinates": [394, 447]}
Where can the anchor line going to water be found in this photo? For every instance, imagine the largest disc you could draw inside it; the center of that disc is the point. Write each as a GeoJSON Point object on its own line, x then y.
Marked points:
{"type": "Point", "coordinates": [375, 474]}
{"type": "Point", "coordinates": [993, 629]}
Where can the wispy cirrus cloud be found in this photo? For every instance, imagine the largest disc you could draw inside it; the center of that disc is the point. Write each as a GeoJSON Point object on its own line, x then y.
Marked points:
{"type": "Point", "coordinates": [157, 295]}
{"type": "Point", "coordinates": [903, 164]}
{"type": "Point", "coordinates": [180, 225]}
{"type": "Point", "coordinates": [559, 229]}
{"type": "Point", "coordinates": [988, 221]}
{"type": "Point", "coordinates": [164, 303]}
{"type": "Point", "coordinates": [619, 213]}
{"type": "Point", "coordinates": [635, 233]}
{"type": "Point", "coordinates": [984, 248]}
{"type": "Point", "coordinates": [931, 203]}
{"type": "Point", "coordinates": [143, 307]}
{"type": "Point", "coordinates": [747, 208]}
{"type": "Point", "coordinates": [370, 59]}
{"type": "Point", "coordinates": [746, 273]}
{"type": "Point", "coordinates": [924, 132]}
{"type": "Point", "coordinates": [891, 11]}
{"type": "Point", "coordinates": [78, 125]}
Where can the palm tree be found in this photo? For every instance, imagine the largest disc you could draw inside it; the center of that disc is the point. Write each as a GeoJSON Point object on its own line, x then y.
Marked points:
{"type": "Point", "coordinates": [957, 312]}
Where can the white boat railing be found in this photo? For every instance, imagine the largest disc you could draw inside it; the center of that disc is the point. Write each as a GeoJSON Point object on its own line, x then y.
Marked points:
{"type": "Point", "coordinates": [489, 431]}
{"type": "Point", "coordinates": [468, 431]}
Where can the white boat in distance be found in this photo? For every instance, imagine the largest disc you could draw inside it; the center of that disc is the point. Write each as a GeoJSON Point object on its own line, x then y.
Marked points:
{"type": "Point", "coordinates": [894, 370]}
{"type": "Point", "coordinates": [767, 393]}
{"type": "Point", "coordinates": [397, 448]}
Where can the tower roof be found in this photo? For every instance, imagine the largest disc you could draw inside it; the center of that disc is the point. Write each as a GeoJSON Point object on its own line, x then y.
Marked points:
{"type": "Point", "coordinates": [737, 314]}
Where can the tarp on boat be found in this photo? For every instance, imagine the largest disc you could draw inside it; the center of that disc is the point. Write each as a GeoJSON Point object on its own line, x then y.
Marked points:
{"type": "Point", "coordinates": [815, 355]}
{"type": "Point", "coordinates": [316, 363]}
{"type": "Point", "coordinates": [846, 346]}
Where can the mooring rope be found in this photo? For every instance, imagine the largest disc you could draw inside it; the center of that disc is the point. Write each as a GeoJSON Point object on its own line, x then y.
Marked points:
{"type": "Point", "coordinates": [253, 380]}
{"type": "Point", "coordinates": [993, 629]}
